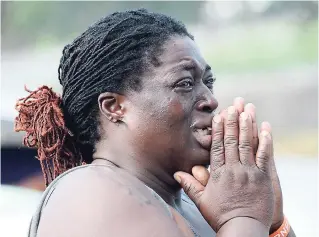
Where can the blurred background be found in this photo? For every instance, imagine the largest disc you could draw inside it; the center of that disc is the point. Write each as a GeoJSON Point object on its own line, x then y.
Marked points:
{"type": "Point", "coordinates": [264, 51]}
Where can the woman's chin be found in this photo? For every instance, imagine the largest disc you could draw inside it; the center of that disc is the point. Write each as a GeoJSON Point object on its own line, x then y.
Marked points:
{"type": "Point", "coordinates": [201, 157]}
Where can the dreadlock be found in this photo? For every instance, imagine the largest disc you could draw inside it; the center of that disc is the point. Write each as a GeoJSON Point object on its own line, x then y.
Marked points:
{"type": "Point", "coordinates": [111, 55]}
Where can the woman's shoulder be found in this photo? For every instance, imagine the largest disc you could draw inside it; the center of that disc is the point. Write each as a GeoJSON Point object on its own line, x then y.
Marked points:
{"type": "Point", "coordinates": [97, 200]}
{"type": "Point", "coordinates": [95, 182]}
{"type": "Point", "coordinates": [102, 179]}
{"type": "Point", "coordinates": [86, 174]}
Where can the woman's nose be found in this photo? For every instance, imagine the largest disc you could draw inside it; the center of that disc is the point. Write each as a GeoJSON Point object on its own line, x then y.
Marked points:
{"type": "Point", "coordinates": [208, 105]}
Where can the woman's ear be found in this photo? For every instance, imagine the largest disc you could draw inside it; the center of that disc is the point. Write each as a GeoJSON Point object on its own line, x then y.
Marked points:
{"type": "Point", "coordinates": [111, 106]}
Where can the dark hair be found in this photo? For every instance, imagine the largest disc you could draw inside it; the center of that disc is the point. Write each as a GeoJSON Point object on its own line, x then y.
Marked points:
{"type": "Point", "coordinates": [111, 55]}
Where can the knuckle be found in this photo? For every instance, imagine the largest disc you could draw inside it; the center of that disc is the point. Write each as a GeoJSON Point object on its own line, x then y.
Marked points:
{"type": "Point", "coordinates": [245, 146]}
{"type": "Point", "coordinates": [231, 124]}
{"type": "Point", "coordinates": [230, 140]}
{"type": "Point", "coordinates": [229, 174]}
{"type": "Point", "coordinates": [217, 147]}
{"type": "Point", "coordinates": [215, 176]}
{"type": "Point", "coordinates": [262, 153]}
{"type": "Point", "coordinates": [258, 177]}
{"type": "Point", "coordinates": [196, 193]}
{"type": "Point", "coordinates": [191, 191]}
{"type": "Point", "coordinates": [218, 133]}
{"type": "Point", "coordinates": [242, 177]}
{"type": "Point", "coordinates": [243, 128]}
{"type": "Point", "coordinates": [187, 187]}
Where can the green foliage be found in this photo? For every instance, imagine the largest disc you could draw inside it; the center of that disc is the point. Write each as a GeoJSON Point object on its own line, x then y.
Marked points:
{"type": "Point", "coordinates": [23, 23]}
{"type": "Point", "coordinates": [261, 48]}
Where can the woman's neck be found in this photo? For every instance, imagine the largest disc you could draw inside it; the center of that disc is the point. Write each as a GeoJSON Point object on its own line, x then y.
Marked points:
{"type": "Point", "coordinates": [158, 180]}
{"type": "Point", "coordinates": [156, 176]}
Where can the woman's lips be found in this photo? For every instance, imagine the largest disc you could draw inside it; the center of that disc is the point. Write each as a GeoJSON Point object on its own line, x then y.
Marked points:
{"type": "Point", "coordinates": [204, 137]}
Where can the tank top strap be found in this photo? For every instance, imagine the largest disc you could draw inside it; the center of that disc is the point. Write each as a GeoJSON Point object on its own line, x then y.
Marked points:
{"type": "Point", "coordinates": [161, 200]}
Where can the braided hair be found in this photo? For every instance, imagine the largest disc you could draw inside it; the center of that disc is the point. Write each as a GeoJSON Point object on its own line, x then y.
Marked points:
{"type": "Point", "coordinates": [110, 56]}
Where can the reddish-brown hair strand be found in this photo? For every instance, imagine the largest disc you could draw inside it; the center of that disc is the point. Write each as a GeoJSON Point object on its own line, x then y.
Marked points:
{"type": "Point", "coordinates": [41, 117]}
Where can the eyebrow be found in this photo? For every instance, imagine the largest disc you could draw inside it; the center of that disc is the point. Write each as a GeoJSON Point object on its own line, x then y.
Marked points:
{"type": "Point", "coordinates": [191, 65]}
{"type": "Point", "coordinates": [207, 68]}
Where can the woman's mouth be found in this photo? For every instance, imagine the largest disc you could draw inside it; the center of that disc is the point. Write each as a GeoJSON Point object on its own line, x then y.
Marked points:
{"type": "Point", "coordinates": [203, 136]}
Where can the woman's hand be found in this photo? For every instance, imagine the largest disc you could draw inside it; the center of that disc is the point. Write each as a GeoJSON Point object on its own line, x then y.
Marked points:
{"type": "Point", "coordinates": [278, 217]}
{"type": "Point", "coordinates": [239, 183]}
{"type": "Point", "coordinates": [202, 174]}
{"type": "Point", "coordinates": [239, 104]}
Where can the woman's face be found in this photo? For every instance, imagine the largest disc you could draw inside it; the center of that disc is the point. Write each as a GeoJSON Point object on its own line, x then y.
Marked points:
{"type": "Point", "coordinates": [168, 118]}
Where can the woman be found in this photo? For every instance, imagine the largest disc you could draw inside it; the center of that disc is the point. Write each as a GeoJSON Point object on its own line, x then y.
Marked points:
{"type": "Point", "coordinates": [137, 109]}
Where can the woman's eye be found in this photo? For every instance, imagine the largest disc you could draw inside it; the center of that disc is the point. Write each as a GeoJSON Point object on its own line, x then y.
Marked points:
{"type": "Point", "coordinates": [187, 83]}
{"type": "Point", "coordinates": [210, 82]}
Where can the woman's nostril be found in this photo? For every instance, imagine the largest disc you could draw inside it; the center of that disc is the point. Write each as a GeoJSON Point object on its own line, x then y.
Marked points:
{"type": "Point", "coordinates": [207, 109]}
{"type": "Point", "coordinates": [207, 106]}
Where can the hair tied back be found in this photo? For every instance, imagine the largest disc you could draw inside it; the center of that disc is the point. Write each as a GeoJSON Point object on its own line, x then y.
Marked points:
{"type": "Point", "coordinates": [41, 117]}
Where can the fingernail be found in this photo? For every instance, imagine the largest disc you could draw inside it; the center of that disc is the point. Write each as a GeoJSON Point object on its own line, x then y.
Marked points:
{"type": "Point", "coordinates": [177, 178]}
{"type": "Point", "coordinates": [231, 110]}
{"type": "Point", "coordinates": [217, 119]}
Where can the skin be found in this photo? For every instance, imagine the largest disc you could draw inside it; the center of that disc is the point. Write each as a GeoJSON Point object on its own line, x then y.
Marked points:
{"type": "Point", "coordinates": [163, 112]}
{"type": "Point", "coordinates": [202, 175]}
{"type": "Point", "coordinates": [249, 193]}
{"type": "Point", "coordinates": [146, 137]}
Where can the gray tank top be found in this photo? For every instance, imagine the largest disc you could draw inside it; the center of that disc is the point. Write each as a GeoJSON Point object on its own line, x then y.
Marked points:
{"type": "Point", "coordinates": [48, 191]}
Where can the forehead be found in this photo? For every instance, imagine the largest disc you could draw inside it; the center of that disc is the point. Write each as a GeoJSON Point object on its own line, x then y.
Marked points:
{"type": "Point", "coordinates": [179, 49]}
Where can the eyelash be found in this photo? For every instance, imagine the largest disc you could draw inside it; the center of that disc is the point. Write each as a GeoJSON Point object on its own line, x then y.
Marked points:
{"type": "Point", "coordinates": [210, 82]}
{"type": "Point", "coordinates": [185, 80]}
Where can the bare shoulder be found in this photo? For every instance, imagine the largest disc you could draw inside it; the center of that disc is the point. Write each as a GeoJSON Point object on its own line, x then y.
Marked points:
{"type": "Point", "coordinates": [100, 201]}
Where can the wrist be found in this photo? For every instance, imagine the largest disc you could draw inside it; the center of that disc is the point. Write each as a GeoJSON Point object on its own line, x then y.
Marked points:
{"type": "Point", "coordinates": [282, 230]}
{"type": "Point", "coordinates": [243, 226]}
{"type": "Point", "coordinates": [276, 226]}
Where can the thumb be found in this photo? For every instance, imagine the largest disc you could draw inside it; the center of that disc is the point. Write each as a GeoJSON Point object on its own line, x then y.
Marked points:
{"type": "Point", "coordinates": [193, 188]}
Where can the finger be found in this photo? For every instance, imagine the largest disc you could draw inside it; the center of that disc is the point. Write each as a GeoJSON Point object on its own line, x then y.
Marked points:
{"type": "Point", "coordinates": [265, 126]}
{"type": "Point", "coordinates": [239, 104]}
{"type": "Point", "coordinates": [263, 155]}
{"type": "Point", "coordinates": [223, 114]}
{"type": "Point", "coordinates": [217, 155]}
{"type": "Point", "coordinates": [193, 188]}
{"type": "Point", "coordinates": [251, 110]}
{"type": "Point", "coordinates": [245, 140]}
{"type": "Point", "coordinates": [231, 136]}
{"type": "Point", "coordinates": [201, 174]}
